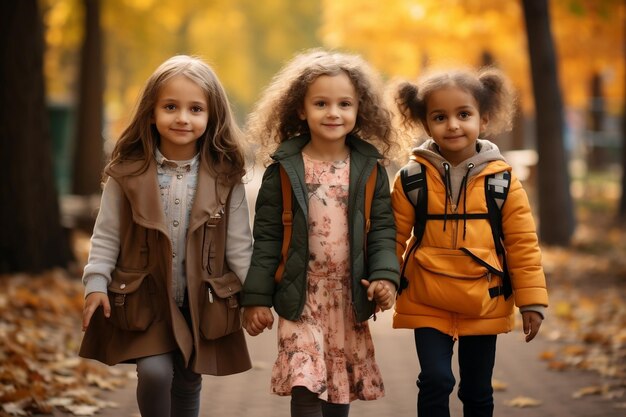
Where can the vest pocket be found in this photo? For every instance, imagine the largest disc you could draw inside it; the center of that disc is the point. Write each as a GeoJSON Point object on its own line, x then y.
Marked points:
{"type": "Point", "coordinates": [131, 296]}
{"type": "Point", "coordinates": [220, 312]}
{"type": "Point", "coordinates": [456, 280]}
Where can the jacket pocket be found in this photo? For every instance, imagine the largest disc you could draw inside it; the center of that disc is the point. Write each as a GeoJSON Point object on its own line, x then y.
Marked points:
{"type": "Point", "coordinates": [131, 296]}
{"type": "Point", "coordinates": [220, 312]}
{"type": "Point", "coordinates": [456, 280]}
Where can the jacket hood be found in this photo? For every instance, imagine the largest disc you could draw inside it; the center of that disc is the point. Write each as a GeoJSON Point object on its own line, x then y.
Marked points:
{"type": "Point", "coordinates": [486, 152]}
{"type": "Point", "coordinates": [487, 160]}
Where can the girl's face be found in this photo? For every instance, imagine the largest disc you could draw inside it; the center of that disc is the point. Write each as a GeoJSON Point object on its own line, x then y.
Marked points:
{"type": "Point", "coordinates": [330, 108]}
{"type": "Point", "coordinates": [181, 117]}
{"type": "Point", "coordinates": [454, 122]}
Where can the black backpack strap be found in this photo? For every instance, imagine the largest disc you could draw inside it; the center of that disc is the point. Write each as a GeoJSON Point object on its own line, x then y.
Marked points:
{"type": "Point", "coordinates": [413, 179]}
{"type": "Point", "coordinates": [496, 190]}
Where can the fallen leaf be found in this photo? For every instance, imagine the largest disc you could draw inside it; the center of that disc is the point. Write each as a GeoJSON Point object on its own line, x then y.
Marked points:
{"type": "Point", "coordinates": [499, 385]}
{"type": "Point", "coordinates": [557, 365]}
{"type": "Point", "coordinates": [592, 390]}
{"type": "Point", "coordinates": [83, 410]}
{"type": "Point", "coordinates": [523, 402]}
{"type": "Point", "coordinates": [547, 355]}
{"type": "Point", "coordinates": [16, 409]}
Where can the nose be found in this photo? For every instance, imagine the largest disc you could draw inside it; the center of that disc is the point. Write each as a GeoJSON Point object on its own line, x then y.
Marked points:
{"type": "Point", "coordinates": [182, 117]}
{"type": "Point", "coordinates": [453, 124]}
{"type": "Point", "coordinates": [333, 111]}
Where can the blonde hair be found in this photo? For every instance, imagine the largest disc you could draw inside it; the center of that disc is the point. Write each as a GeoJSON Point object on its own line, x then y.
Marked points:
{"type": "Point", "coordinates": [489, 86]}
{"type": "Point", "coordinates": [275, 117]}
{"type": "Point", "coordinates": [220, 146]}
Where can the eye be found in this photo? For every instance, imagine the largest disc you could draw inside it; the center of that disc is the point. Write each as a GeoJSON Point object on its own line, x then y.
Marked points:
{"type": "Point", "coordinates": [169, 107]}
{"type": "Point", "coordinates": [345, 104]}
{"type": "Point", "coordinates": [319, 104]}
{"type": "Point", "coordinates": [438, 118]}
{"type": "Point", "coordinates": [464, 115]}
{"type": "Point", "coordinates": [196, 109]}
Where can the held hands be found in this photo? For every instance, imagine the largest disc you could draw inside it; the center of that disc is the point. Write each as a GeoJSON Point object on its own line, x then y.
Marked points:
{"type": "Point", "coordinates": [532, 323]}
{"type": "Point", "coordinates": [256, 319]}
{"type": "Point", "coordinates": [382, 291]}
{"type": "Point", "coordinates": [92, 302]}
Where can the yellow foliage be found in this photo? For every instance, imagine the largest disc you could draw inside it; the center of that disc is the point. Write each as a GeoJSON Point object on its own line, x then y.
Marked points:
{"type": "Point", "coordinates": [247, 41]}
{"type": "Point", "coordinates": [402, 37]}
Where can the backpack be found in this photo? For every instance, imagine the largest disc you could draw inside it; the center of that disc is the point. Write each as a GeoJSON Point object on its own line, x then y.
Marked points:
{"type": "Point", "coordinates": [287, 216]}
{"type": "Point", "coordinates": [413, 180]}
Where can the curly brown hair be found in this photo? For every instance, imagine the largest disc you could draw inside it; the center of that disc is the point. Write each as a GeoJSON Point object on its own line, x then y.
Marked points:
{"type": "Point", "coordinates": [275, 117]}
{"type": "Point", "coordinates": [221, 145]}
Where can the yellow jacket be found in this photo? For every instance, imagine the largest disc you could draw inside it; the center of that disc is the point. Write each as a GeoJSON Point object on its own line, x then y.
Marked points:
{"type": "Point", "coordinates": [442, 240]}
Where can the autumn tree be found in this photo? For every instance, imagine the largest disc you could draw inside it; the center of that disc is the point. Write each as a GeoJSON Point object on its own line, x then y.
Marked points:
{"type": "Point", "coordinates": [89, 153]}
{"type": "Point", "coordinates": [32, 238]}
{"type": "Point", "coordinates": [556, 218]}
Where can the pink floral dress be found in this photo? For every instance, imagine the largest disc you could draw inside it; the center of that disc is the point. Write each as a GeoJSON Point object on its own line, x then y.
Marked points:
{"type": "Point", "coordinates": [326, 351]}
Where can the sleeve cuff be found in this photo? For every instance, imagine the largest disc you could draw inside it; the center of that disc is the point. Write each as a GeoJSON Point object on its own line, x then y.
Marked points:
{"type": "Point", "coordinates": [96, 283]}
{"type": "Point", "coordinates": [537, 308]}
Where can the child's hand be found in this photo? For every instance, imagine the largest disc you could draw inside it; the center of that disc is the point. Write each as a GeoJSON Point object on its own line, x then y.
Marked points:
{"type": "Point", "coordinates": [256, 319]}
{"type": "Point", "coordinates": [383, 291]}
{"type": "Point", "coordinates": [532, 323]}
{"type": "Point", "coordinates": [92, 302]}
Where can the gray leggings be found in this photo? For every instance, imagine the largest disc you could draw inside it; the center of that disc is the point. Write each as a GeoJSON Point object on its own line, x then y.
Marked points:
{"type": "Point", "coordinates": [305, 403]}
{"type": "Point", "coordinates": [166, 388]}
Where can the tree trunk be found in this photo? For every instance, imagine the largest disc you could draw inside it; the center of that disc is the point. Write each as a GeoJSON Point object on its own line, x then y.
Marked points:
{"type": "Point", "coordinates": [622, 204]}
{"type": "Point", "coordinates": [596, 153]}
{"type": "Point", "coordinates": [556, 218]}
{"type": "Point", "coordinates": [89, 152]}
{"type": "Point", "coordinates": [32, 238]}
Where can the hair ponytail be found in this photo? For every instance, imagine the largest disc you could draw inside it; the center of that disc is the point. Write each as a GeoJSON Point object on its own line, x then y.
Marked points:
{"type": "Point", "coordinates": [497, 99]}
{"type": "Point", "coordinates": [409, 105]}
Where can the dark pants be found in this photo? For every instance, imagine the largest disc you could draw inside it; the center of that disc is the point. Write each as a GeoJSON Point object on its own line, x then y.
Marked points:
{"type": "Point", "coordinates": [305, 403]}
{"type": "Point", "coordinates": [436, 380]}
{"type": "Point", "coordinates": [165, 386]}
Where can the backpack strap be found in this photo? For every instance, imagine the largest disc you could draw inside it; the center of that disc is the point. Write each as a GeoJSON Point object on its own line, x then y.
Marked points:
{"type": "Point", "coordinates": [497, 186]}
{"type": "Point", "coordinates": [496, 190]}
{"type": "Point", "coordinates": [287, 217]}
{"type": "Point", "coordinates": [370, 185]}
{"type": "Point", "coordinates": [413, 180]}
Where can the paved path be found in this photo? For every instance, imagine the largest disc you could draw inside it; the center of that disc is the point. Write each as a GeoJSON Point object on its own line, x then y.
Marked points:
{"type": "Point", "coordinates": [247, 394]}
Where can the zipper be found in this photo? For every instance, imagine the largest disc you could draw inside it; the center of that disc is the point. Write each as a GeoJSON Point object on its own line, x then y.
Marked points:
{"type": "Point", "coordinates": [490, 268]}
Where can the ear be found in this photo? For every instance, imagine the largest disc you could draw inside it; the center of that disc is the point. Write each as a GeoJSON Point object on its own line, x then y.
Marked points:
{"type": "Point", "coordinates": [301, 114]}
{"type": "Point", "coordinates": [426, 128]}
{"type": "Point", "coordinates": [484, 121]}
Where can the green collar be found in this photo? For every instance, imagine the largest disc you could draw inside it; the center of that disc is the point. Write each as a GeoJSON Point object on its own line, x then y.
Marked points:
{"type": "Point", "coordinates": [295, 145]}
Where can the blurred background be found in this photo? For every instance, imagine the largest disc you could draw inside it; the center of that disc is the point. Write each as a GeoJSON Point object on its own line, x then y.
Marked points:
{"type": "Point", "coordinates": [71, 72]}
{"type": "Point", "coordinates": [83, 63]}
